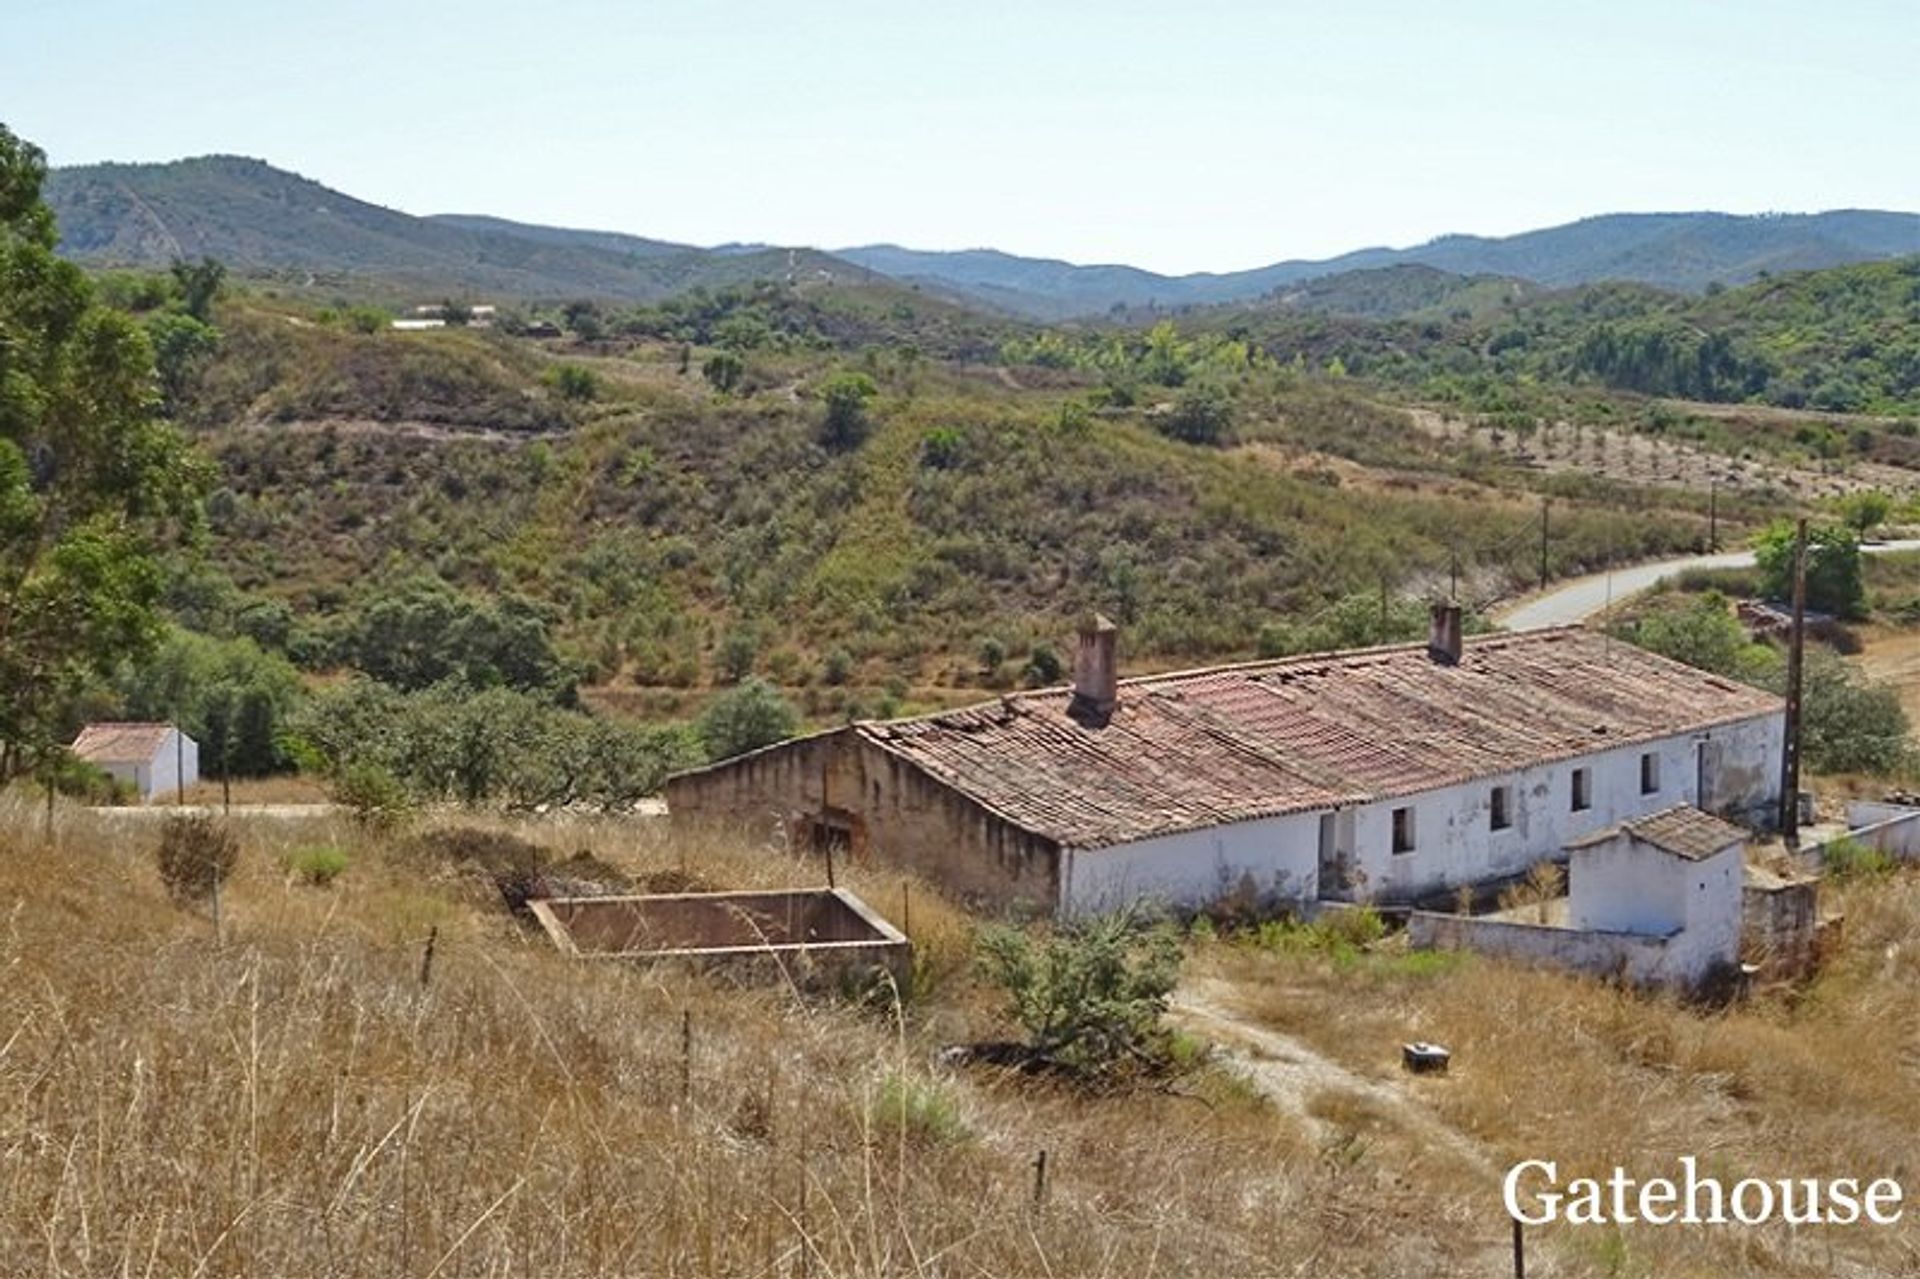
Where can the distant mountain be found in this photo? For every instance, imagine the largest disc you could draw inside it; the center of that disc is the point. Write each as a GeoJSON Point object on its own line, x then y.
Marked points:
{"type": "Point", "coordinates": [1685, 251]}
{"type": "Point", "coordinates": [259, 219]}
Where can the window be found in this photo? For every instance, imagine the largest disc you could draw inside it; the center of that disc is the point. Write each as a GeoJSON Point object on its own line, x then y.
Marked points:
{"type": "Point", "coordinates": [1649, 774]}
{"type": "Point", "coordinates": [1582, 789]}
{"type": "Point", "coordinates": [1500, 808]}
{"type": "Point", "coordinates": [1403, 830]}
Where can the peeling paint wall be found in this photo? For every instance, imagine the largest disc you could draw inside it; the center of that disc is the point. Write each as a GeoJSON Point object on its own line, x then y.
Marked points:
{"type": "Point", "coordinates": [1454, 842]}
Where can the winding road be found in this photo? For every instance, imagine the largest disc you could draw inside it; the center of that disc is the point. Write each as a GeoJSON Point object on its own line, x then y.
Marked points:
{"type": "Point", "coordinates": [1580, 598]}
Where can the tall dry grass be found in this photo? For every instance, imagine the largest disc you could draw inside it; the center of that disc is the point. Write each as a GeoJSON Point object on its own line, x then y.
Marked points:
{"type": "Point", "coordinates": [1823, 1082]}
{"type": "Point", "coordinates": [293, 1102]}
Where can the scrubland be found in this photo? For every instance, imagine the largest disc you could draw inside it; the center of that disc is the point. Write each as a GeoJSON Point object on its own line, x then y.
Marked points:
{"type": "Point", "coordinates": [288, 1097]}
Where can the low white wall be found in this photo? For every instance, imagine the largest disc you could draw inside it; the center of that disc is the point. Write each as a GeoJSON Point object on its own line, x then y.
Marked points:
{"type": "Point", "coordinates": [1631, 956]}
{"type": "Point", "coordinates": [1272, 859]}
{"type": "Point", "coordinates": [1894, 829]}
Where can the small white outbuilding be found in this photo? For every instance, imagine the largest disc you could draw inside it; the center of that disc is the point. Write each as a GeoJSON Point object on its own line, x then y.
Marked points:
{"type": "Point", "coordinates": [1674, 875]}
{"type": "Point", "coordinates": [154, 759]}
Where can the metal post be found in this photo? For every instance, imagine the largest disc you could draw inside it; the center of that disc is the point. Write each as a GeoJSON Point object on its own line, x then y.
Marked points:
{"type": "Point", "coordinates": [1519, 1251]}
{"type": "Point", "coordinates": [179, 767]}
{"type": "Point", "coordinates": [1796, 654]}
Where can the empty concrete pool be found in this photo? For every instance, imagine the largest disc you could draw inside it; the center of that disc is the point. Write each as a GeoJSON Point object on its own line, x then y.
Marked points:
{"type": "Point", "coordinates": [819, 933]}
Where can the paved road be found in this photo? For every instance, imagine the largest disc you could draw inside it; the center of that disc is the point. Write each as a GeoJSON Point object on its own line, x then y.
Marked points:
{"type": "Point", "coordinates": [1583, 597]}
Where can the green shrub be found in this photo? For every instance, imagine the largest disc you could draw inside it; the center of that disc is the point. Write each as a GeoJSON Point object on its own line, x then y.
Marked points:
{"type": "Point", "coordinates": [1848, 858]}
{"type": "Point", "coordinates": [318, 864]}
{"type": "Point", "coordinates": [1091, 995]}
{"type": "Point", "coordinates": [375, 797]}
{"type": "Point", "coordinates": [197, 854]}
{"type": "Point", "coordinates": [920, 1112]}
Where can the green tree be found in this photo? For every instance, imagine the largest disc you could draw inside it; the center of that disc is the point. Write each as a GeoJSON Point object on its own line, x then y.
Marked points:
{"type": "Point", "coordinates": [92, 485]}
{"type": "Point", "coordinates": [228, 695]}
{"type": "Point", "coordinates": [181, 345]}
{"type": "Point", "coordinates": [1865, 511]}
{"type": "Point", "coordinates": [1834, 583]}
{"type": "Point", "coordinates": [723, 370]}
{"type": "Point", "coordinates": [746, 717]}
{"type": "Point", "coordinates": [846, 425]}
{"type": "Point", "coordinates": [199, 284]}
{"type": "Point", "coordinates": [1091, 995]}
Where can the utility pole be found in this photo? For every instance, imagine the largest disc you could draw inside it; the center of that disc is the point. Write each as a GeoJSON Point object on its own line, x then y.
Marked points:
{"type": "Point", "coordinates": [1796, 653]}
{"type": "Point", "coordinates": [1713, 515]}
{"type": "Point", "coordinates": [1453, 575]}
{"type": "Point", "coordinates": [1545, 504]}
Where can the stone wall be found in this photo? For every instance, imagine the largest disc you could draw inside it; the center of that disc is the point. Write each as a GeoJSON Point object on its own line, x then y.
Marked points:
{"type": "Point", "coordinates": [838, 788]}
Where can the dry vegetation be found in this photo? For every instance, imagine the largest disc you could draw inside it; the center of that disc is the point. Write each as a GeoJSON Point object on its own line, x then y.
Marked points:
{"type": "Point", "coordinates": [292, 1101]}
{"type": "Point", "coordinates": [1822, 1083]}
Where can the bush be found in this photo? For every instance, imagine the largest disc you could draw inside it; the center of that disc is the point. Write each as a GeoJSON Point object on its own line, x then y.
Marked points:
{"type": "Point", "coordinates": [1848, 858]}
{"type": "Point", "coordinates": [1201, 415]}
{"type": "Point", "coordinates": [1093, 994]}
{"type": "Point", "coordinates": [318, 864]}
{"type": "Point", "coordinates": [1834, 583]}
{"type": "Point", "coordinates": [919, 1112]}
{"type": "Point", "coordinates": [745, 718]}
{"type": "Point", "coordinates": [573, 382]}
{"type": "Point", "coordinates": [197, 854]}
{"type": "Point", "coordinates": [375, 797]}
{"type": "Point", "coordinates": [846, 425]}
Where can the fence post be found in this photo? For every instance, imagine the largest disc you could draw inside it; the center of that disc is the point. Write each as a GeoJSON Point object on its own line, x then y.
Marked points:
{"type": "Point", "coordinates": [1519, 1251]}
{"type": "Point", "coordinates": [1040, 1179]}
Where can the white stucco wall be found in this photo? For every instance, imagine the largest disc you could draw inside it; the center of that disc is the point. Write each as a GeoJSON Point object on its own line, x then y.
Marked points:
{"type": "Point", "coordinates": [160, 778]}
{"type": "Point", "coordinates": [1454, 843]}
{"type": "Point", "coordinates": [1270, 859]}
{"type": "Point", "coordinates": [1635, 912]}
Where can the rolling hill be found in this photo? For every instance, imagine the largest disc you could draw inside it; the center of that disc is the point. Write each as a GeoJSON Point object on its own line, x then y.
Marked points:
{"type": "Point", "coordinates": [1684, 251]}
{"type": "Point", "coordinates": [262, 220]}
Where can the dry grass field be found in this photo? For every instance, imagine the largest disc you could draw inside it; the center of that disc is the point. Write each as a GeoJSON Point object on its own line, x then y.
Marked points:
{"type": "Point", "coordinates": [288, 1099]}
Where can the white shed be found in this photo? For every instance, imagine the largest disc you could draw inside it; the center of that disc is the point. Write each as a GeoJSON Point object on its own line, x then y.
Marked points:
{"type": "Point", "coordinates": [1674, 874]}
{"type": "Point", "coordinates": [154, 759]}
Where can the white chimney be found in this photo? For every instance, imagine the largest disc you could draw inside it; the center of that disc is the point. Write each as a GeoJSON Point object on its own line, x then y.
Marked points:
{"type": "Point", "coordinates": [1096, 674]}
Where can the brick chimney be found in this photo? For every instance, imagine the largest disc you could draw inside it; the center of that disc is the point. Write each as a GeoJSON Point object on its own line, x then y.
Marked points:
{"type": "Point", "coordinates": [1443, 640]}
{"type": "Point", "coordinates": [1096, 674]}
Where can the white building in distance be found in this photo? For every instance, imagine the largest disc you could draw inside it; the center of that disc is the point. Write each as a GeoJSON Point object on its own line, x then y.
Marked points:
{"type": "Point", "coordinates": [154, 759]}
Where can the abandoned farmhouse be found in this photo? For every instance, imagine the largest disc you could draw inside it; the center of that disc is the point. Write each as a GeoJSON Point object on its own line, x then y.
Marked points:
{"type": "Point", "coordinates": [1388, 774]}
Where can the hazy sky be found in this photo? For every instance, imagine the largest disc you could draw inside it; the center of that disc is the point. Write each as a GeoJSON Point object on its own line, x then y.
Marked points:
{"type": "Point", "coordinates": [1201, 135]}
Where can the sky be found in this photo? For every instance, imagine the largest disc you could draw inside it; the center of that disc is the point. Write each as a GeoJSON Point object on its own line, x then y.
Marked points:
{"type": "Point", "coordinates": [1202, 135]}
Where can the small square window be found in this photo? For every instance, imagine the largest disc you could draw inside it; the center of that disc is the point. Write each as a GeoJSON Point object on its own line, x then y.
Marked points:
{"type": "Point", "coordinates": [1403, 830]}
{"type": "Point", "coordinates": [1649, 774]}
{"type": "Point", "coordinates": [1500, 808]}
{"type": "Point", "coordinates": [1582, 790]}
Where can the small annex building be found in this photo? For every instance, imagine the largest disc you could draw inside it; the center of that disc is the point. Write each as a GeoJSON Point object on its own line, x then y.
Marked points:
{"type": "Point", "coordinates": [1387, 774]}
{"type": "Point", "coordinates": [1655, 900]}
{"type": "Point", "coordinates": [154, 759]}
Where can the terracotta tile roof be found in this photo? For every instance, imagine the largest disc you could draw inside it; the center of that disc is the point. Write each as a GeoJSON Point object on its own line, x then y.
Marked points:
{"type": "Point", "coordinates": [1684, 831]}
{"type": "Point", "coordinates": [120, 743]}
{"type": "Point", "coordinates": [1202, 748]}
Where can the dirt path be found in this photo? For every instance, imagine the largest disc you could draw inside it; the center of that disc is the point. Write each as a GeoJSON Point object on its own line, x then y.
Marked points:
{"type": "Point", "coordinates": [1291, 1074]}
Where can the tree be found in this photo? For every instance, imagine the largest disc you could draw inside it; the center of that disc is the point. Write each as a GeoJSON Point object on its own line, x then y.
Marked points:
{"type": "Point", "coordinates": [745, 718]}
{"type": "Point", "coordinates": [199, 284]}
{"type": "Point", "coordinates": [229, 695]}
{"type": "Point", "coordinates": [457, 314]}
{"type": "Point", "coordinates": [1834, 583]}
{"type": "Point", "coordinates": [181, 344]}
{"type": "Point", "coordinates": [1092, 994]}
{"type": "Point", "coordinates": [723, 370]}
{"type": "Point", "coordinates": [846, 426]}
{"type": "Point", "coordinates": [1865, 511]}
{"type": "Point", "coordinates": [92, 485]}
